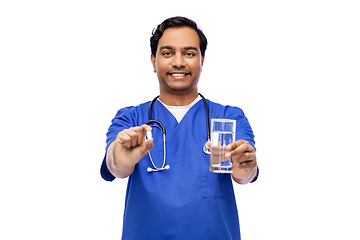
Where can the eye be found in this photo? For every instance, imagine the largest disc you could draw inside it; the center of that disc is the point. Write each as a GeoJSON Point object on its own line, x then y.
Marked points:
{"type": "Point", "coordinates": [166, 53]}
{"type": "Point", "coordinates": [190, 54]}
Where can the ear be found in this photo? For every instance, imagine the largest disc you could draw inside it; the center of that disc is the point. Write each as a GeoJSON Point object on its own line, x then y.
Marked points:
{"type": "Point", "coordinates": [153, 60]}
{"type": "Point", "coordinates": [202, 60]}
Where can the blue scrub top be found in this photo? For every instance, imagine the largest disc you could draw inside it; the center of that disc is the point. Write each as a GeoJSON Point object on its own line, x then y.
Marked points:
{"type": "Point", "coordinates": [186, 201]}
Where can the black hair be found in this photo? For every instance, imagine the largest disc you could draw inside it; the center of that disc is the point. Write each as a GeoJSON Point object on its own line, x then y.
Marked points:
{"type": "Point", "coordinates": [176, 22]}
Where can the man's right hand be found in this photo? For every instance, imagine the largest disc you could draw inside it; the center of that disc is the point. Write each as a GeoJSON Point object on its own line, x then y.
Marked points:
{"type": "Point", "coordinates": [130, 146]}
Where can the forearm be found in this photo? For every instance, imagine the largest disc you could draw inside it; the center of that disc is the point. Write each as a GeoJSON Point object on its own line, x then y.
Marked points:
{"type": "Point", "coordinates": [116, 170]}
{"type": "Point", "coordinates": [247, 179]}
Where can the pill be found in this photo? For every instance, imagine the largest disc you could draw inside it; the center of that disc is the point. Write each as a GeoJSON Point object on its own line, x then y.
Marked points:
{"type": "Point", "coordinates": [148, 134]}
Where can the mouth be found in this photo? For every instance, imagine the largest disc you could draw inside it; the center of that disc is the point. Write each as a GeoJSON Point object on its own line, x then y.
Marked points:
{"type": "Point", "coordinates": [178, 74]}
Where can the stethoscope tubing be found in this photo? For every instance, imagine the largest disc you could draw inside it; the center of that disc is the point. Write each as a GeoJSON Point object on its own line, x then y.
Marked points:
{"type": "Point", "coordinates": [161, 126]}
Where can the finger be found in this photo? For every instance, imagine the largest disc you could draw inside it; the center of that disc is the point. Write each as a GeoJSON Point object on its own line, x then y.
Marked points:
{"type": "Point", "coordinates": [241, 148]}
{"type": "Point", "coordinates": [140, 134]}
{"type": "Point", "coordinates": [246, 160]}
{"type": "Point", "coordinates": [250, 156]}
{"type": "Point", "coordinates": [246, 157]}
{"type": "Point", "coordinates": [146, 127]}
{"type": "Point", "coordinates": [218, 151]}
{"type": "Point", "coordinates": [219, 146]}
{"type": "Point", "coordinates": [133, 136]}
{"type": "Point", "coordinates": [126, 137]}
{"type": "Point", "coordinates": [147, 146]}
{"type": "Point", "coordinates": [247, 164]}
{"type": "Point", "coordinates": [136, 137]}
{"type": "Point", "coordinates": [235, 144]}
{"type": "Point", "coordinates": [146, 131]}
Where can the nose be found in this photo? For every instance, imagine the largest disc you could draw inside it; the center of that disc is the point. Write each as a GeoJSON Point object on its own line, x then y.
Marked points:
{"type": "Point", "coordinates": [178, 61]}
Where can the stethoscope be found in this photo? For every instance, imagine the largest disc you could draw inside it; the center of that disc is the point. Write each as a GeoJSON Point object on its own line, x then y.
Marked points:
{"type": "Point", "coordinates": [159, 125]}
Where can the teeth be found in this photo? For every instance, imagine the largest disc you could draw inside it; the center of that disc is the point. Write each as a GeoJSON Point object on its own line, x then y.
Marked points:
{"type": "Point", "coordinates": [178, 74]}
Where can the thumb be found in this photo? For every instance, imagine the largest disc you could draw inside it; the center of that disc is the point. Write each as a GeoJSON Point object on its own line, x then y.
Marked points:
{"type": "Point", "coordinates": [147, 145]}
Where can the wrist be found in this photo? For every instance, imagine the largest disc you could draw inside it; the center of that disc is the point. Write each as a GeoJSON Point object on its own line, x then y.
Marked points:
{"type": "Point", "coordinates": [245, 179]}
{"type": "Point", "coordinates": [116, 169]}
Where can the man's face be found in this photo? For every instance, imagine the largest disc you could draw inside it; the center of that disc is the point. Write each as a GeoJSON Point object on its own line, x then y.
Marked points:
{"type": "Point", "coordinates": [178, 60]}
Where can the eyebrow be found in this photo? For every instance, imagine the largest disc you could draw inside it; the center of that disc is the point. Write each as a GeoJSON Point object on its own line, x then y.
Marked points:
{"type": "Point", "coordinates": [165, 47]}
{"type": "Point", "coordinates": [191, 48]}
{"type": "Point", "coordinates": [185, 48]}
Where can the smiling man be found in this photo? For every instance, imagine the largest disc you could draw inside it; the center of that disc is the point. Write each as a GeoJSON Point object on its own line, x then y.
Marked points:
{"type": "Point", "coordinates": [178, 62]}
{"type": "Point", "coordinates": [171, 193]}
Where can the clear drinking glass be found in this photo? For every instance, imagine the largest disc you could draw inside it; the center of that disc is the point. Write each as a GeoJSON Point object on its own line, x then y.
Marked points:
{"type": "Point", "coordinates": [222, 134]}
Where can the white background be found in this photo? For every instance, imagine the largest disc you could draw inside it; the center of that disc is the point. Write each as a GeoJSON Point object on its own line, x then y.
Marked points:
{"type": "Point", "coordinates": [66, 67]}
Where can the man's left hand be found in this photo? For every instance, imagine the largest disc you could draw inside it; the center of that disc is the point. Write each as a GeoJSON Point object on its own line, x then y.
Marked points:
{"type": "Point", "coordinates": [243, 158]}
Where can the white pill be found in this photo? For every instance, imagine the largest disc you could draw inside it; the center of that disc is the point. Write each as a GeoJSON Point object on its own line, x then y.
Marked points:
{"type": "Point", "coordinates": [148, 134]}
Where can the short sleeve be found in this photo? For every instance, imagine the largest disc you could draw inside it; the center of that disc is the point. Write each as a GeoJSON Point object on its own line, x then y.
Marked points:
{"type": "Point", "coordinates": [121, 121]}
{"type": "Point", "coordinates": [243, 128]}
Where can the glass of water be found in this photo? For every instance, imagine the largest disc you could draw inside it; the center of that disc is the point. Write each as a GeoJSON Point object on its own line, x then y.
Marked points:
{"type": "Point", "coordinates": [222, 134]}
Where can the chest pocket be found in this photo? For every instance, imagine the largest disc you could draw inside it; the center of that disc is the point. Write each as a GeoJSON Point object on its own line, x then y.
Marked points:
{"type": "Point", "coordinates": [214, 185]}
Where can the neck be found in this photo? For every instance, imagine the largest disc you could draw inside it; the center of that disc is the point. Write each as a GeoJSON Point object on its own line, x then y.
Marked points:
{"type": "Point", "coordinates": [178, 99]}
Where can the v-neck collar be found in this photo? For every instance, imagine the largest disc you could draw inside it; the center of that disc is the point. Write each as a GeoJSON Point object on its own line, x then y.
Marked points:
{"type": "Point", "coordinates": [179, 112]}
{"type": "Point", "coordinates": [163, 114]}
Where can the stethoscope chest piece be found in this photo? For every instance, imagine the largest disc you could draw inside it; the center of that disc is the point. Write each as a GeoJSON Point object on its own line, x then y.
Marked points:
{"type": "Point", "coordinates": [206, 149]}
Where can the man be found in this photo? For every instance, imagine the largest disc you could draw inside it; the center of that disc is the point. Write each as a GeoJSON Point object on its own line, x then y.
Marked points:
{"type": "Point", "coordinates": [183, 200]}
